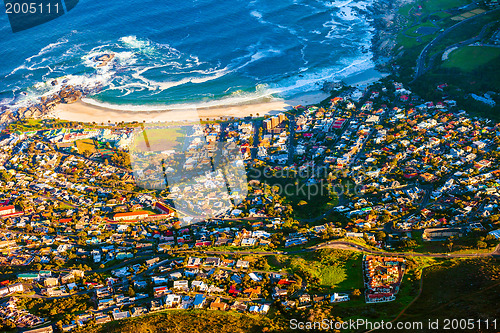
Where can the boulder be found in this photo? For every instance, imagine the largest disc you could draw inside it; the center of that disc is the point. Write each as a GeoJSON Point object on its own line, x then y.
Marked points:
{"type": "Point", "coordinates": [104, 59]}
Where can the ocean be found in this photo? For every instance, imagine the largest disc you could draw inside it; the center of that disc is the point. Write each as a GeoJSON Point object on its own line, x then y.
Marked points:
{"type": "Point", "coordinates": [183, 54]}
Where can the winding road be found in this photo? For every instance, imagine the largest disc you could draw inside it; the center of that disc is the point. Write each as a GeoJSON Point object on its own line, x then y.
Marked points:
{"type": "Point", "coordinates": [421, 69]}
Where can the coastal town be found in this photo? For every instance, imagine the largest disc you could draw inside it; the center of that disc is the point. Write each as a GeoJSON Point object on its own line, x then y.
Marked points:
{"type": "Point", "coordinates": [384, 170]}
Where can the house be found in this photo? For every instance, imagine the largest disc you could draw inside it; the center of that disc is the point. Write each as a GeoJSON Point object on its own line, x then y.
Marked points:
{"type": "Point", "coordinates": [380, 297]}
{"type": "Point", "coordinates": [138, 311]}
{"type": "Point", "coordinates": [495, 233]}
{"type": "Point", "coordinates": [159, 280]}
{"type": "Point", "coordinates": [193, 262]}
{"type": "Point", "coordinates": [160, 291]}
{"type": "Point", "coordinates": [101, 319]}
{"type": "Point", "coordinates": [264, 308]}
{"type": "Point", "coordinates": [218, 305]}
{"type": "Point", "coordinates": [18, 287]}
{"type": "Point", "coordinates": [212, 262]}
{"type": "Point", "coordinates": [153, 261]}
{"type": "Point", "coordinates": [242, 264]}
{"type": "Point", "coordinates": [256, 291]}
{"type": "Point", "coordinates": [305, 298]}
{"type": "Point", "coordinates": [239, 306]}
{"type": "Point", "coordinates": [172, 300]}
{"type": "Point", "coordinates": [277, 293]}
{"type": "Point", "coordinates": [255, 277]}
{"type": "Point", "coordinates": [117, 314]}
{"type": "Point", "coordinates": [199, 285]}
{"type": "Point", "coordinates": [335, 298]}
{"type": "Point", "coordinates": [175, 275]}
{"type": "Point", "coordinates": [140, 284]}
{"type": "Point", "coordinates": [181, 284]}
{"type": "Point", "coordinates": [199, 301]}
{"type": "Point", "coordinates": [105, 303]}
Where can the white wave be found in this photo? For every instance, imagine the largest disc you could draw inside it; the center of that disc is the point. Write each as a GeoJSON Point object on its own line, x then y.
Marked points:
{"type": "Point", "coordinates": [47, 48]}
{"type": "Point", "coordinates": [338, 4]}
{"type": "Point", "coordinates": [133, 42]}
{"type": "Point", "coordinates": [206, 75]}
{"type": "Point", "coordinates": [298, 84]}
{"type": "Point", "coordinates": [312, 81]}
{"type": "Point", "coordinates": [256, 14]}
{"type": "Point", "coordinates": [237, 98]}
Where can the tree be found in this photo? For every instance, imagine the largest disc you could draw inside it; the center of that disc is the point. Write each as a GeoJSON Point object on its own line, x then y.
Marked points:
{"type": "Point", "coordinates": [356, 293]}
{"type": "Point", "coordinates": [380, 236]}
{"type": "Point", "coordinates": [481, 245]}
{"type": "Point", "coordinates": [131, 291]}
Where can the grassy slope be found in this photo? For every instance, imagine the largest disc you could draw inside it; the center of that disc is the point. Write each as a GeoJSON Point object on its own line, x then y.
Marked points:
{"type": "Point", "coordinates": [186, 321]}
{"type": "Point", "coordinates": [458, 289]}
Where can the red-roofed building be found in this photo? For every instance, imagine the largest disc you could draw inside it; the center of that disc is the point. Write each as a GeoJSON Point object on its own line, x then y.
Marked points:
{"type": "Point", "coordinates": [233, 290]}
{"type": "Point", "coordinates": [5, 210]}
{"type": "Point", "coordinates": [164, 208]}
{"type": "Point", "coordinates": [131, 216]}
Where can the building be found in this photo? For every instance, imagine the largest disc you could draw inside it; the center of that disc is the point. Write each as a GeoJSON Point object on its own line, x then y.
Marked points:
{"type": "Point", "coordinates": [181, 284]}
{"type": "Point", "coordinates": [47, 329]}
{"type": "Point", "coordinates": [218, 305]}
{"type": "Point", "coordinates": [67, 278]}
{"type": "Point", "coordinates": [131, 216]}
{"type": "Point", "coordinates": [51, 282]}
{"type": "Point", "coordinates": [339, 298]}
{"type": "Point", "coordinates": [163, 208]}
{"type": "Point", "coordinates": [6, 210]}
{"type": "Point", "coordinates": [433, 234]}
{"type": "Point", "coordinates": [28, 276]}
{"type": "Point", "coordinates": [199, 301]}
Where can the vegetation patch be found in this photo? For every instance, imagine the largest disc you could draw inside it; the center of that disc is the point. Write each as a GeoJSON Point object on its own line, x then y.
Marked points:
{"type": "Point", "coordinates": [187, 321]}
{"type": "Point", "coordinates": [458, 289]}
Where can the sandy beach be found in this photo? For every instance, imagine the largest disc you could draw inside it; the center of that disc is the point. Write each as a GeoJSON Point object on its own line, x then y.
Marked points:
{"type": "Point", "coordinates": [85, 112]}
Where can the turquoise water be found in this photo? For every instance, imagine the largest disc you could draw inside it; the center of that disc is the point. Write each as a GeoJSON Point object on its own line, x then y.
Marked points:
{"type": "Point", "coordinates": [187, 53]}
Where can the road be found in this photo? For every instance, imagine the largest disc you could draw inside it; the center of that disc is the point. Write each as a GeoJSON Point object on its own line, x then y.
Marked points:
{"type": "Point", "coordinates": [356, 247]}
{"type": "Point", "coordinates": [345, 245]}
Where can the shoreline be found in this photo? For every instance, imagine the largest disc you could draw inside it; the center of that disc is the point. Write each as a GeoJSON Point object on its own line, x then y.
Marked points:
{"type": "Point", "coordinates": [84, 112]}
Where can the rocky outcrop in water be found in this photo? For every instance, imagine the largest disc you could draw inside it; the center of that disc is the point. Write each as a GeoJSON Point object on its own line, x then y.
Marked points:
{"type": "Point", "coordinates": [43, 107]}
{"type": "Point", "coordinates": [104, 59]}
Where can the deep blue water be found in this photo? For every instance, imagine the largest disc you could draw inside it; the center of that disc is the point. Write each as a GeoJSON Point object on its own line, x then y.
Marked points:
{"type": "Point", "coordinates": [187, 52]}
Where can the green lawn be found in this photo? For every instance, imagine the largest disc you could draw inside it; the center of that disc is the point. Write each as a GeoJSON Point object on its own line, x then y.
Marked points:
{"type": "Point", "coordinates": [437, 5]}
{"type": "Point", "coordinates": [469, 58]}
{"type": "Point", "coordinates": [414, 31]}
